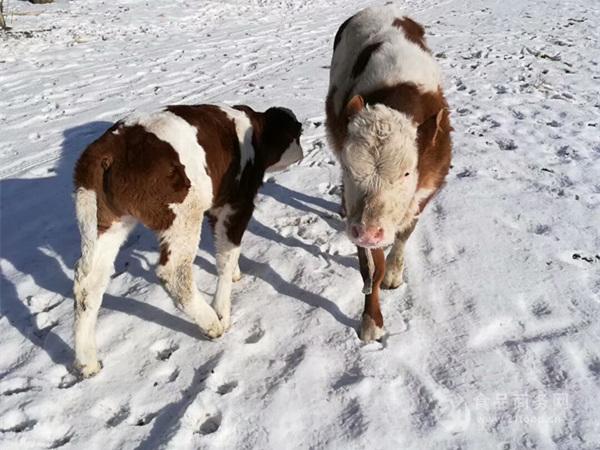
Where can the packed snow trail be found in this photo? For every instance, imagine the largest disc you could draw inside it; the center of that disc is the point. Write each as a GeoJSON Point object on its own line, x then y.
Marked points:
{"type": "Point", "coordinates": [494, 342]}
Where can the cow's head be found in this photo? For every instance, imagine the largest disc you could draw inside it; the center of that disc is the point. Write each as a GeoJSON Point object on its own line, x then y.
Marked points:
{"type": "Point", "coordinates": [281, 138]}
{"type": "Point", "coordinates": [379, 162]}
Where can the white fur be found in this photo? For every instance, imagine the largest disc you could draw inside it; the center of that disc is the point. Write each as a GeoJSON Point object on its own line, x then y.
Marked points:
{"type": "Point", "coordinates": [381, 148]}
{"type": "Point", "coordinates": [182, 238]}
{"type": "Point", "coordinates": [291, 155]}
{"type": "Point", "coordinates": [227, 256]}
{"type": "Point", "coordinates": [92, 275]}
{"type": "Point", "coordinates": [182, 136]}
{"type": "Point", "coordinates": [394, 265]}
{"type": "Point", "coordinates": [397, 60]}
{"type": "Point", "coordinates": [244, 131]}
{"type": "Point", "coordinates": [423, 194]}
{"type": "Point", "coordinates": [369, 331]}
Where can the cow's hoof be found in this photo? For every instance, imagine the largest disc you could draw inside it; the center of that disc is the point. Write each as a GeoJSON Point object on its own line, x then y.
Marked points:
{"type": "Point", "coordinates": [369, 331]}
{"type": "Point", "coordinates": [88, 370]}
{"type": "Point", "coordinates": [226, 322]}
{"type": "Point", "coordinates": [393, 278]}
{"type": "Point", "coordinates": [215, 329]}
{"type": "Point", "coordinates": [237, 275]}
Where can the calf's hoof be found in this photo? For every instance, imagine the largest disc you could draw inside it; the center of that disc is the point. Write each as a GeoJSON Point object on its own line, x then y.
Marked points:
{"type": "Point", "coordinates": [369, 331]}
{"type": "Point", "coordinates": [237, 275]}
{"type": "Point", "coordinates": [226, 322]}
{"type": "Point", "coordinates": [393, 277]}
{"type": "Point", "coordinates": [215, 329]}
{"type": "Point", "coordinates": [87, 370]}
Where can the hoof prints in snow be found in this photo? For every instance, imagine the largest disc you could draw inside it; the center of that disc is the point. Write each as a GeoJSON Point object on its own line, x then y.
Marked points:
{"type": "Point", "coordinates": [255, 336]}
{"type": "Point", "coordinates": [210, 425]}
{"type": "Point", "coordinates": [62, 441]}
{"type": "Point", "coordinates": [164, 350]}
{"type": "Point", "coordinates": [555, 376]}
{"type": "Point", "coordinates": [20, 427]}
{"type": "Point", "coordinates": [119, 417]}
{"type": "Point", "coordinates": [146, 419]}
{"type": "Point", "coordinates": [227, 387]}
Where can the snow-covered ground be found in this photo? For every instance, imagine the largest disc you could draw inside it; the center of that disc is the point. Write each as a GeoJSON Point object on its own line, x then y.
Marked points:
{"type": "Point", "coordinates": [493, 343]}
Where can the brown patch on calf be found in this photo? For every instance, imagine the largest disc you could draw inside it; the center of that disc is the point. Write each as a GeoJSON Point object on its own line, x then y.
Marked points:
{"type": "Point", "coordinates": [372, 306]}
{"type": "Point", "coordinates": [133, 174]}
{"type": "Point", "coordinates": [363, 58]}
{"type": "Point", "coordinates": [164, 254]}
{"type": "Point", "coordinates": [336, 125]}
{"type": "Point", "coordinates": [413, 31]}
{"type": "Point", "coordinates": [435, 149]}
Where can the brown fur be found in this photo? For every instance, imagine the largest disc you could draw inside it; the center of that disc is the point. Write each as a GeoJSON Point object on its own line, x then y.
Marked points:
{"type": "Point", "coordinates": [337, 125]}
{"type": "Point", "coordinates": [372, 306]}
{"type": "Point", "coordinates": [413, 31]}
{"type": "Point", "coordinates": [133, 173]}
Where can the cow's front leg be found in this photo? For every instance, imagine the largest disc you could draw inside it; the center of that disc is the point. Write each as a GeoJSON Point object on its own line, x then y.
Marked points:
{"type": "Point", "coordinates": [394, 267]}
{"type": "Point", "coordinates": [229, 227]}
{"type": "Point", "coordinates": [371, 328]}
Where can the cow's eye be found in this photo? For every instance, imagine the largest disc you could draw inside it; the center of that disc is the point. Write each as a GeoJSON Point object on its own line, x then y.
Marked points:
{"type": "Point", "coordinates": [407, 174]}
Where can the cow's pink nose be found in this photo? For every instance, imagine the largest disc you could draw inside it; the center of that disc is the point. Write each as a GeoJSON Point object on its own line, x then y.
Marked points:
{"type": "Point", "coordinates": [367, 235]}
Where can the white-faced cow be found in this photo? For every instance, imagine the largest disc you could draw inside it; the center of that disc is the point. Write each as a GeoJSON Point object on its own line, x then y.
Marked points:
{"type": "Point", "coordinates": [387, 122]}
{"type": "Point", "coordinates": [167, 170]}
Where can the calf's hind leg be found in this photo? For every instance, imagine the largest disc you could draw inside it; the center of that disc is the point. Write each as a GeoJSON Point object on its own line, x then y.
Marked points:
{"type": "Point", "coordinates": [178, 247]}
{"type": "Point", "coordinates": [91, 278]}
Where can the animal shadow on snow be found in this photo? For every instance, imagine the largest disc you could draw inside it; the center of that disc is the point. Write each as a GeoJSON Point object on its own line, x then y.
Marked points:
{"type": "Point", "coordinates": [40, 240]}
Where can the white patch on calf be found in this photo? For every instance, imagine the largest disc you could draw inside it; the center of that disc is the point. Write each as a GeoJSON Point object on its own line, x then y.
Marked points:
{"type": "Point", "coordinates": [182, 239]}
{"type": "Point", "coordinates": [227, 256]}
{"type": "Point", "coordinates": [291, 155]}
{"type": "Point", "coordinates": [244, 131]}
{"type": "Point", "coordinates": [397, 60]}
{"type": "Point", "coordinates": [423, 194]}
{"type": "Point", "coordinates": [92, 275]}
{"type": "Point", "coordinates": [369, 331]}
{"type": "Point", "coordinates": [182, 136]}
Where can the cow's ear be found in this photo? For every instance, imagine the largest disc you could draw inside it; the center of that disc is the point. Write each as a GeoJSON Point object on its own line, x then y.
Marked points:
{"type": "Point", "coordinates": [355, 105]}
{"type": "Point", "coordinates": [441, 122]}
{"type": "Point", "coordinates": [429, 131]}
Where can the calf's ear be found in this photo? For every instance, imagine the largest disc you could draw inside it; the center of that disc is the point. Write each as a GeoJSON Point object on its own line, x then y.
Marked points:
{"type": "Point", "coordinates": [441, 123]}
{"type": "Point", "coordinates": [433, 127]}
{"type": "Point", "coordinates": [355, 105]}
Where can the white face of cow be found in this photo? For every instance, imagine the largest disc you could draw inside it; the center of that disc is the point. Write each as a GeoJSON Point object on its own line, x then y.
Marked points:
{"type": "Point", "coordinates": [380, 174]}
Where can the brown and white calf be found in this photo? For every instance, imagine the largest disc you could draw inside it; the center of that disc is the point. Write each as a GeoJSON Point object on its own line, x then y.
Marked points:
{"type": "Point", "coordinates": [388, 123]}
{"type": "Point", "coordinates": [166, 170]}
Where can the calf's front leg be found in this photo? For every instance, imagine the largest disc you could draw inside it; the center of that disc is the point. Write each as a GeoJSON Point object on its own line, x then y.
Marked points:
{"type": "Point", "coordinates": [371, 328]}
{"type": "Point", "coordinates": [394, 267]}
{"type": "Point", "coordinates": [228, 228]}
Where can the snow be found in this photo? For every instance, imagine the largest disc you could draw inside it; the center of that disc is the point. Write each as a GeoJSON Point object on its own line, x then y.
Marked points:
{"type": "Point", "coordinates": [492, 343]}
